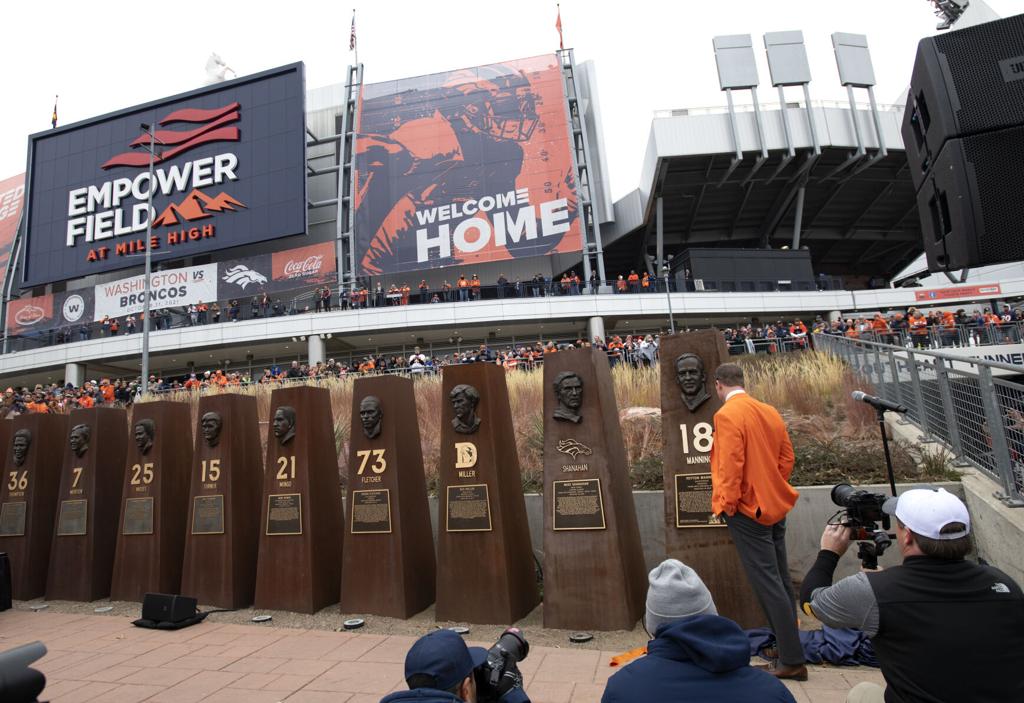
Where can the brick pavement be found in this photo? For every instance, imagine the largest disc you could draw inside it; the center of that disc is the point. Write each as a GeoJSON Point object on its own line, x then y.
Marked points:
{"type": "Point", "coordinates": [105, 658]}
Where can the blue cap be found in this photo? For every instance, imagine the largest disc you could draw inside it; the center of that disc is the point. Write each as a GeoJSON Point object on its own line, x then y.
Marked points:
{"type": "Point", "coordinates": [443, 655]}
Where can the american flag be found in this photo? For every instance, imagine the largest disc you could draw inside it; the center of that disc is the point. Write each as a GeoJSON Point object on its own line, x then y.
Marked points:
{"type": "Point", "coordinates": [352, 36]}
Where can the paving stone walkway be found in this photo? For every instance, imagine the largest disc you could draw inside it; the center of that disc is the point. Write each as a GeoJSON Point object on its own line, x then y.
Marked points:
{"type": "Point", "coordinates": [105, 658]}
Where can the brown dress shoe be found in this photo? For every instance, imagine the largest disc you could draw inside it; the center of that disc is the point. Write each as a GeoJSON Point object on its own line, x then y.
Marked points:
{"type": "Point", "coordinates": [781, 671]}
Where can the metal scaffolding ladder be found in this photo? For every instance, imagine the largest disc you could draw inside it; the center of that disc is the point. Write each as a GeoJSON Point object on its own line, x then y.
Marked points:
{"type": "Point", "coordinates": [591, 229]}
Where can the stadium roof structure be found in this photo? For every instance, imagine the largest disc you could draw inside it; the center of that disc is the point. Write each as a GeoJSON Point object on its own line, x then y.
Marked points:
{"type": "Point", "coordinates": [858, 213]}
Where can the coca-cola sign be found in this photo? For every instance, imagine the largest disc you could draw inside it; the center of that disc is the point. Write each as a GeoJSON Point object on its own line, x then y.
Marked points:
{"type": "Point", "coordinates": [310, 266]}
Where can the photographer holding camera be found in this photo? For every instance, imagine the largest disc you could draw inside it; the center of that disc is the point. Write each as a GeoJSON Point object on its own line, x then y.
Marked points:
{"type": "Point", "coordinates": [943, 628]}
{"type": "Point", "coordinates": [440, 668]}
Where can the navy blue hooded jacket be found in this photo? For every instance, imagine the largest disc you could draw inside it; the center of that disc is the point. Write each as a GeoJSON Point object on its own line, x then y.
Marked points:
{"type": "Point", "coordinates": [696, 659]}
{"type": "Point", "coordinates": [432, 695]}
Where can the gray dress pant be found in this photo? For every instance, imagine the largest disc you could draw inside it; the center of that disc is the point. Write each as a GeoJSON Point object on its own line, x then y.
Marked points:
{"type": "Point", "coordinates": [762, 550]}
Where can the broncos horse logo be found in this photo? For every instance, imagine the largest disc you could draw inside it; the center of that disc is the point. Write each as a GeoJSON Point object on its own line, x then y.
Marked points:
{"type": "Point", "coordinates": [573, 448]}
{"type": "Point", "coordinates": [243, 276]}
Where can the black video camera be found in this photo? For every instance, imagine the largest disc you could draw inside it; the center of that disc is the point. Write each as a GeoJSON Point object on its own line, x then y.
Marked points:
{"type": "Point", "coordinates": [862, 511]}
{"type": "Point", "coordinates": [499, 674]}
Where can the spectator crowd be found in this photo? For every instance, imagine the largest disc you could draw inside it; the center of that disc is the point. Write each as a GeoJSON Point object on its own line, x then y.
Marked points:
{"type": "Point", "coordinates": [358, 297]}
{"type": "Point", "coordinates": [914, 327]}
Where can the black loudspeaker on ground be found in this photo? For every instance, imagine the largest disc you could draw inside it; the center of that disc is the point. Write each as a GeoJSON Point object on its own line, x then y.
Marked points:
{"type": "Point", "coordinates": [964, 135]}
{"type": "Point", "coordinates": [161, 607]}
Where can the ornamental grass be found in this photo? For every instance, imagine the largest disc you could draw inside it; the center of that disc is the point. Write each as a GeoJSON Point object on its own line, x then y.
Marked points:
{"type": "Point", "coordinates": [835, 438]}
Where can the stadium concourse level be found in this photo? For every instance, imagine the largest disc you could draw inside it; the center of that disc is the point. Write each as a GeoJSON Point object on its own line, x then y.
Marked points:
{"type": "Point", "coordinates": [301, 301]}
{"type": "Point", "coordinates": [935, 328]}
{"type": "Point", "coordinates": [912, 328]}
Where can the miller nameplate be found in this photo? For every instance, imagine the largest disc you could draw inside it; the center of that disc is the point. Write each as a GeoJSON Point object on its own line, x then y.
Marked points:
{"type": "Point", "coordinates": [371, 511]}
{"type": "Point", "coordinates": [577, 505]}
{"type": "Point", "coordinates": [72, 518]}
{"type": "Point", "coordinates": [284, 514]}
{"type": "Point", "coordinates": [208, 515]}
{"type": "Point", "coordinates": [12, 519]}
{"type": "Point", "coordinates": [469, 508]}
{"type": "Point", "coordinates": [138, 516]}
{"type": "Point", "coordinates": [693, 501]}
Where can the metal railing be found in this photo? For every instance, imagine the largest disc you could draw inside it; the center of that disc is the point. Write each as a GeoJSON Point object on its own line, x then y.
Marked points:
{"type": "Point", "coordinates": [940, 336]}
{"type": "Point", "coordinates": [971, 406]}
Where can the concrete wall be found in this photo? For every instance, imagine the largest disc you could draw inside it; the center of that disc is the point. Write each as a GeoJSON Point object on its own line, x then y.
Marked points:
{"type": "Point", "coordinates": [804, 527]}
{"type": "Point", "coordinates": [998, 530]}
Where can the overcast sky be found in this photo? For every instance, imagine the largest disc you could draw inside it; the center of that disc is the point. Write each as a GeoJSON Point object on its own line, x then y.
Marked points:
{"type": "Point", "coordinates": [101, 57]}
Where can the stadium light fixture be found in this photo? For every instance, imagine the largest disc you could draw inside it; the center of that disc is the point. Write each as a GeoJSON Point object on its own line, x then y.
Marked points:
{"type": "Point", "coordinates": [949, 11]}
{"type": "Point", "coordinates": [665, 270]}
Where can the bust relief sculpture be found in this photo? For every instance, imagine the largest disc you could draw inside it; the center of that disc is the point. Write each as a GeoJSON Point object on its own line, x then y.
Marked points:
{"type": "Point", "coordinates": [284, 424]}
{"type": "Point", "coordinates": [22, 441]}
{"type": "Point", "coordinates": [145, 431]}
{"type": "Point", "coordinates": [79, 439]}
{"type": "Point", "coordinates": [464, 399]}
{"type": "Point", "coordinates": [211, 425]}
{"type": "Point", "coordinates": [569, 393]}
{"type": "Point", "coordinates": [371, 415]}
{"type": "Point", "coordinates": [692, 380]}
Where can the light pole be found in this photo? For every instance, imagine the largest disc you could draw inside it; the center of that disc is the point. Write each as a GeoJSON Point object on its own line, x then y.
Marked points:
{"type": "Point", "coordinates": [668, 296]}
{"type": "Point", "coordinates": [149, 263]}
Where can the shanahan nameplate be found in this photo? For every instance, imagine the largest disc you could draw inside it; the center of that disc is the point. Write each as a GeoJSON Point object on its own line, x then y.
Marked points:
{"type": "Point", "coordinates": [577, 505]}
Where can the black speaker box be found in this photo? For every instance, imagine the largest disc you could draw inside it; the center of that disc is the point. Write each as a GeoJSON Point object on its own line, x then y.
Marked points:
{"type": "Point", "coordinates": [964, 82]}
{"type": "Point", "coordinates": [161, 607]}
{"type": "Point", "coordinates": [972, 202]}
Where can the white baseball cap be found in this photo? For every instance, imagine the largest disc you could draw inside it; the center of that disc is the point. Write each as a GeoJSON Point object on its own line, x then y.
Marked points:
{"type": "Point", "coordinates": [925, 511]}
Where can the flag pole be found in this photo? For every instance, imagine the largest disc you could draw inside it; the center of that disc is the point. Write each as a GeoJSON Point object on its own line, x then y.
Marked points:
{"type": "Point", "coordinates": [355, 43]}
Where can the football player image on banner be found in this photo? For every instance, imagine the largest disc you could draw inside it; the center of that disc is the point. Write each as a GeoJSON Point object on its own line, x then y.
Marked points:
{"type": "Point", "coordinates": [12, 197]}
{"type": "Point", "coordinates": [465, 166]}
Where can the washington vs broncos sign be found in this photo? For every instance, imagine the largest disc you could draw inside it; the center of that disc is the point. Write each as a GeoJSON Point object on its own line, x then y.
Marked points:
{"type": "Point", "coordinates": [228, 169]}
{"type": "Point", "coordinates": [465, 166]}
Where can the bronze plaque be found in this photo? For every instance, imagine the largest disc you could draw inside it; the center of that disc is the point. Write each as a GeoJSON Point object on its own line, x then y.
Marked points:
{"type": "Point", "coordinates": [693, 501]}
{"type": "Point", "coordinates": [469, 508]}
{"type": "Point", "coordinates": [72, 518]}
{"type": "Point", "coordinates": [578, 505]}
{"type": "Point", "coordinates": [12, 519]}
{"type": "Point", "coordinates": [208, 515]}
{"type": "Point", "coordinates": [138, 516]}
{"type": "Point", "coordinates": [371, 511]}
{"type": "Point", "coordinates": [284, 514]}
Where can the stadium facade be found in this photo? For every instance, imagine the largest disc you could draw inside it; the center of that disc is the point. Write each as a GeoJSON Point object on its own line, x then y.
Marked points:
{"type": "Point", "coordinates": [261, 194]}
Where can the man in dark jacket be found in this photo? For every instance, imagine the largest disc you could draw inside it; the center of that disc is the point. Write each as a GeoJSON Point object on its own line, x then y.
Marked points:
{"type": "Point", "coordinates": [439, 669]}
{"type": "Point", "coordinates": [695, 655]}
{"type": "Point", "coordinates": [934, 603]}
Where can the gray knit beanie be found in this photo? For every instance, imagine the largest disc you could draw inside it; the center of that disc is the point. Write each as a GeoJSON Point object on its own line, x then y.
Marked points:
{"type": "Point", "coordinates": [676, 591]}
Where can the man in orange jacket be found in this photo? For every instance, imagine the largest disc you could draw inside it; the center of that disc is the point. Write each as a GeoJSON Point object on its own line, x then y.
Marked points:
{"type": "Point", "coordinates": [751, 460]}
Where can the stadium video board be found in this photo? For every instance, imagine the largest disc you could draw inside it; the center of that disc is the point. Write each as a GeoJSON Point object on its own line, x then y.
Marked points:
{"type": "Point", "coordinates": [229, 170]}
{"type": "Point", "coordinates": [463, 167]}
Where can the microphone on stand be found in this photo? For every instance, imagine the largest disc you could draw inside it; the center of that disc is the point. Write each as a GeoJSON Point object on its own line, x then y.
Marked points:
{"type": "Point", "coordinates": [879, 403]}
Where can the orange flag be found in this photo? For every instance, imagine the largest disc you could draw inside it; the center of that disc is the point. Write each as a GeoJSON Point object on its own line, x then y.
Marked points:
{"type": "Point", "coordinates": [558, 26]}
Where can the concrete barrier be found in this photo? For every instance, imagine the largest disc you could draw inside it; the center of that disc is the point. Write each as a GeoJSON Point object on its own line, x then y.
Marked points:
{"type": "Point", "coordinates": [803, 528]}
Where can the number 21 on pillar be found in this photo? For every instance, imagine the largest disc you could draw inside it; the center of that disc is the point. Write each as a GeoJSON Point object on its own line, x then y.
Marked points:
{"type": "Point", "coordinates": [286, 470]}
